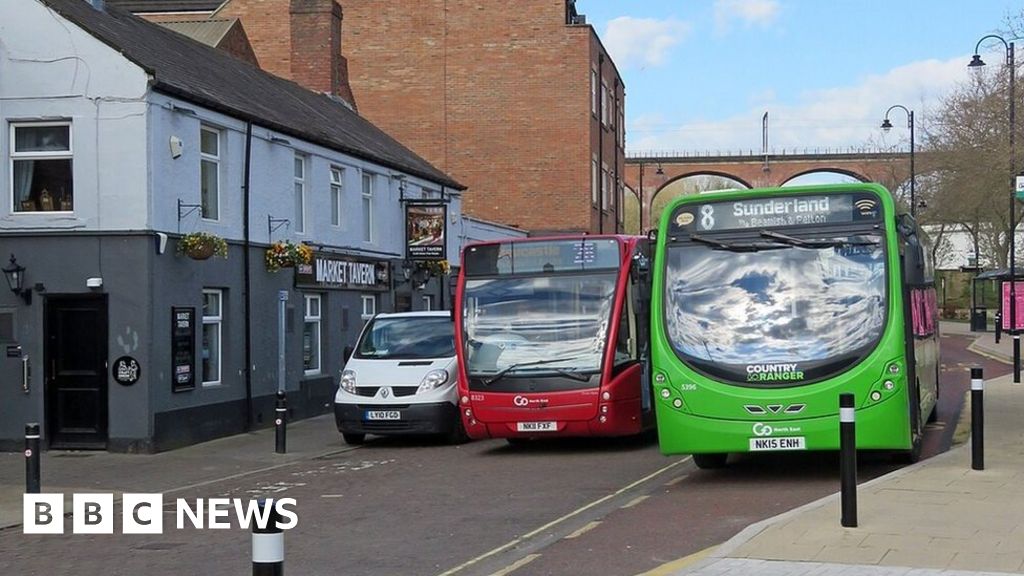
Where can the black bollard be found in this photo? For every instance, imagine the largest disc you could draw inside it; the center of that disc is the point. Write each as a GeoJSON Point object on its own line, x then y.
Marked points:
{"type": "Point", "coordinates": [1016, 357]}
{"type": "Point", "coordinates": [268, 543]}
{"type": "Point", "coordinates": [848, 460]}
{"type": "Point", "coordinates": [999, 325]}
{"type": "Point", "coordinates": [280, 423]}
{"type": "Point", "coordinates": [32, 481]}
{"type": "Point", "coordinates": [977, 419]}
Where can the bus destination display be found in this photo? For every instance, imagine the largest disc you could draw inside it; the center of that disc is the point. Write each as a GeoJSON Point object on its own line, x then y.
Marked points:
{"type": "Point", "coordinates": [777, 212]}
{"type": "Point", "coordinates": [542, 256]}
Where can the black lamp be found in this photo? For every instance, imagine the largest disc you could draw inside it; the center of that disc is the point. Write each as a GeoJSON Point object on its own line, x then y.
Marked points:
{"type": "Point", "coordinates": [15, 274]}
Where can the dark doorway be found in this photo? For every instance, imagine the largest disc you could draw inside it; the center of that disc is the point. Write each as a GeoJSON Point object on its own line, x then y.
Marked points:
{"type": "Point", "coordinates": [76, 371]}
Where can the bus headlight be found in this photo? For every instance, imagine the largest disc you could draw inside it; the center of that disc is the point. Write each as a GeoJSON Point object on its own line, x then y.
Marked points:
{"type": "Point", "coordinates": [348, 381]}
{"type": "Point", "coordinates": [433, 379]}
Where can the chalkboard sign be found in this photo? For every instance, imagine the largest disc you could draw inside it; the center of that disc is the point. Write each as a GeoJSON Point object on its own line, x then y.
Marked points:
{"type": "Point", "coordinates": [183, 349]}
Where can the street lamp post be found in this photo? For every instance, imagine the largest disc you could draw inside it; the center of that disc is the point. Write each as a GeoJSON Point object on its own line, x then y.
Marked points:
{"type": "Point", "coordinates": [977, 62]}
{"type": "Point", "coordinates": [886, 125]}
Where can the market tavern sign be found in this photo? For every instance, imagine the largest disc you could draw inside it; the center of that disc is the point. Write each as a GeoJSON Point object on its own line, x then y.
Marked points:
{"type": "Point", "coordinates": [337, 272]}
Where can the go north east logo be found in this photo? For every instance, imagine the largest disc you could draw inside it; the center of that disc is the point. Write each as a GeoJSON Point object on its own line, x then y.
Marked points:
{"type": "Point", "coordinates": [773, 373]}
{"type": "Point", "coordinates": [144, 513]}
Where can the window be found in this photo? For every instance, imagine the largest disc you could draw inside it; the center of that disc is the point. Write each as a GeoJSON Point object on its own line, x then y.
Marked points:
{"type": "Point", "coordinates": [209, 173]}
{"type": "Point", "coordinates": [428, 302]}
{"type": "Point", "coordinates": [604, 103]}
{"type": "Point", "coordinates": [337, 177]}
{"type": "Point", "coordinates": [311, 336]}
{"type": "Point", "coordinates": [593, 91]}
{"type": "Point", "coordinates": [41, 167]}
{"type": "Point", "coordinates": [213, 318]}
{"type": "Point", "coordinates": [300, 193]}
{"type": "Point", "coordinates": [604, 187]}
{"type": "Point", "coordinates": [369, 306]}
{"type": "Point", "coordinates": [594, 181]}
{"type": "Point", "coordinates": [367, 207]}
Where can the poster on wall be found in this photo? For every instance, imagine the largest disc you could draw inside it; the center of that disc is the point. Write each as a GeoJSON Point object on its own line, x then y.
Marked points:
{"type": "Point", "coordinates": [426, 231]}
{"type": "Point", "coordinates": [1019, 306]}
{"type": "Point", "coordinates": [183, 348]}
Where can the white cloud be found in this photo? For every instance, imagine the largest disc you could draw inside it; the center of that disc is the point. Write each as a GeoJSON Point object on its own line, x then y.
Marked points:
{"type": "Point", "coordinates": [641, 42]}
{"type": "Point", "coordinates": [750, 12]}
{"type": "Point", "coordinates": [841, 117]}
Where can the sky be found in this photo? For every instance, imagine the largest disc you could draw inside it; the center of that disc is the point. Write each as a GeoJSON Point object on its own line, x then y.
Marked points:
{"type": "Point", "coordinates": [700, 74]}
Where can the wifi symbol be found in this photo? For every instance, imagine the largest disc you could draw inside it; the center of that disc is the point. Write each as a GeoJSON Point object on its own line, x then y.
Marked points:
{"type": "Point", "coordinates": [865, 206]}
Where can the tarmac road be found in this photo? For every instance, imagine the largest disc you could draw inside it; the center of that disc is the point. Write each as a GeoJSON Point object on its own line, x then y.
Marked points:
{"type": "Point", "coordinates": [418, 507]}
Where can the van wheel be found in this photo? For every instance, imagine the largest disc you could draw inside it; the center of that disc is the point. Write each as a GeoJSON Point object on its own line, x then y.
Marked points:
{"type": "Point", "coordinates": [710, 461]}
{"type": "Point", "coordinates": [458, 434]}
{"type": "Point", "coordinates": [353, 439]}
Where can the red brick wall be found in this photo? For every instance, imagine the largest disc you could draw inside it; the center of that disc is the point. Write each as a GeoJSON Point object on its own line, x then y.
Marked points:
{"type": "Point", "coordinates": [236, 43]}
{"type": "Point", "coordinates": [495, 93]}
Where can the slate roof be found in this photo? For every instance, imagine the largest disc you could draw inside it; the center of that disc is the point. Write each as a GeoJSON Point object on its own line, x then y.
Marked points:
{"type": "Point", "coordinates": [209, 32]}
{"type": "Point", "coordinates": [186, 69]}
{"type": "Point", "coordinates": [167, 5]}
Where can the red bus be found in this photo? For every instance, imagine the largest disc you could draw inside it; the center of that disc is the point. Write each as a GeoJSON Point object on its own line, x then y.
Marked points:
{"type": "Point", "coordinates": [552, 337]}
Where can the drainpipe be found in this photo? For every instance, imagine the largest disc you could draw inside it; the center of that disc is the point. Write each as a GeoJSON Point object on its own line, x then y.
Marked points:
{"type": "Point", "coordinates": [600, 144]}
{"type": "Point", "coordinates": [247, 278]}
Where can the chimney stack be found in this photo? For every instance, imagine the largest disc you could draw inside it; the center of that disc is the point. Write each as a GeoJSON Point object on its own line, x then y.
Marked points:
{"type": "Point", "coordinates": [316, 60]}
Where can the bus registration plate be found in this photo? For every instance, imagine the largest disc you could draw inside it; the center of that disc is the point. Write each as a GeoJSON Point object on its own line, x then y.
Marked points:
{"type": "Point", "coordinates": [536, 426]}
{"type": "Point", "coordinates": [780, 443]}
{"type": "Point", "coordinates": [383, 415]}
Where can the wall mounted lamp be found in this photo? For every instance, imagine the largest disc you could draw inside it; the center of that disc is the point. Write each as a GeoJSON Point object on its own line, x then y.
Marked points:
{"type": "Point", "coordinates": [15, 274]}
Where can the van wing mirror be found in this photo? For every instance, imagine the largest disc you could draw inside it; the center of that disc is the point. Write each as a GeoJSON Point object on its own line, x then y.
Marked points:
{"type": "Point", "coordinates": [347, 352]}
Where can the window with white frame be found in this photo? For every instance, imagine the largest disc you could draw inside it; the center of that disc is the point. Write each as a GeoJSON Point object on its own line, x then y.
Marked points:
{"type": "Point", "coordinates": [367, 207]}
{"type": "Point", "coordinates": [213, 319]}
{"type": "Point", "coordinates": [311, 335]}
{"type": "Point", "coordinates": [604, 103]}
{"type": "Point", "coordinates": [594, 181]}
{"type": "Point", "coordinates": [209, 173]}
{"type": "Point", "coordinates": [300, 193]}
{"type": "Point", "coordinates": [593, 91]}
{"type": "Point", "coordinates": [604, 187]}
{"type": "Point", "coordinates": [369, 306]}
{"type": "Point", "coordinates": [41, 167]}
{"type": "Point", "coordinates": [428, 302]}
{"type": "Point", "coordinates": [337, 180]}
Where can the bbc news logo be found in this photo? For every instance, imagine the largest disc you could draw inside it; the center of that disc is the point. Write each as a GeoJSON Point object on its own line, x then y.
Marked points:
{"type": "Point", "coordinates": [144, 513]}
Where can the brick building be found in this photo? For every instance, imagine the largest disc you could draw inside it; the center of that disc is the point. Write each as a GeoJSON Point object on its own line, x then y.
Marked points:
{"type": "Point", "coordinates": [518, 100]}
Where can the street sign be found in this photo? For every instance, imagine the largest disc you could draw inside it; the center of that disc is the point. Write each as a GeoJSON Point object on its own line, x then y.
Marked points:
{"type": "Point", "coordinates": [1019, 189]}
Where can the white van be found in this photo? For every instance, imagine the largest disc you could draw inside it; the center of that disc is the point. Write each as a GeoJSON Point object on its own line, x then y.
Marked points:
{"type": "Point", "coordinates": [400, 379]}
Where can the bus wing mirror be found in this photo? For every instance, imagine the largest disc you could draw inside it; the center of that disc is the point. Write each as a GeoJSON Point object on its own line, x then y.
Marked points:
{"type": "Point", "coordinates": [451, 314]}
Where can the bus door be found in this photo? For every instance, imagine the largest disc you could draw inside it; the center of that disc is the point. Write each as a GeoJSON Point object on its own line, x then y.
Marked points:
{"type": "Point", "coordinates": [639, 301]}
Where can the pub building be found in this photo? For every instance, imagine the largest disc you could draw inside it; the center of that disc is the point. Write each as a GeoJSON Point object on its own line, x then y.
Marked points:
{"type": "Point", "coordinates": [121, 331]}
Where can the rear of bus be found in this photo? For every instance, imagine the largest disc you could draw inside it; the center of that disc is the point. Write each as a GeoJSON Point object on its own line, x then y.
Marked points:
{"type": "Point", "coordinates": [548, 339]}
{"type": "Point", "coordinates": [766, 305]}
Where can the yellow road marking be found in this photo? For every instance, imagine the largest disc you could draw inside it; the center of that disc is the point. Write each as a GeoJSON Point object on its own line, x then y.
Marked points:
{"type": "Point", "coordinates": [590, 526]}
{"type": "Point", "coordinates": [676, 565]}
{"type": "Point", "coordinates": [517, 565]}
{"type": "Point", "coordinates": [635, 501]}
{"type": "Point", "coordinates": [557, 521]}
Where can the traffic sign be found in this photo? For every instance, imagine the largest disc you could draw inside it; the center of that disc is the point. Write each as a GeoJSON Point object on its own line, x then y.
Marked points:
{"type": "Point", "coordinates": [1019, 188]}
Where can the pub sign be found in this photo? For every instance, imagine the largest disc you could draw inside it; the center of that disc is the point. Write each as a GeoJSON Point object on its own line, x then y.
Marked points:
{"type": "Point", "coordinates": [426, 231]}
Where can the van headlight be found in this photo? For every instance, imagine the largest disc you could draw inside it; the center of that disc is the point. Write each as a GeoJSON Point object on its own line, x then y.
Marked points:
{"type": "Point", "coordinates": [348, 381]}
{"type": "Point", "coordinates": [433, 379]}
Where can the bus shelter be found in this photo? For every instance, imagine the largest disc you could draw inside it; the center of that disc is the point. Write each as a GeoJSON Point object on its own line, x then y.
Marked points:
{"type": "Point", "coordinates": [990, 291]}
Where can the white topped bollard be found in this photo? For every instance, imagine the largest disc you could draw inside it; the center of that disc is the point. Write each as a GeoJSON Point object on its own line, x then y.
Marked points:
{"type": "Point", "coordinates": [847, 460]}
{"type": "Point", "coordinates": [977, 419]}
{"type": "Point", "coordinates": [267, 542]}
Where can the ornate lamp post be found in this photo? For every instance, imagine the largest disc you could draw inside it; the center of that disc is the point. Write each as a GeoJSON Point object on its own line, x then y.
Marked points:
{"type": "Point", "coordinates": [886, 125]}
{"type": "Point", "coordinates": [977, 62]}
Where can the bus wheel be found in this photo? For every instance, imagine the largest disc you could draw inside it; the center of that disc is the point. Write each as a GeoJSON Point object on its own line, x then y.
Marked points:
{"type": "Point", "coordinates": [353, 439]}
{"type": "Point", "coordinates": [710, 461]}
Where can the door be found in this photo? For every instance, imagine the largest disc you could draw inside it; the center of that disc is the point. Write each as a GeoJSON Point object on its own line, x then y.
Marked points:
{"type": "Point", "coordinates": [76, 371]}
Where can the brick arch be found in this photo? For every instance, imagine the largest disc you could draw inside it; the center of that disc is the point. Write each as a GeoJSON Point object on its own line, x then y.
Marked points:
{"type": "Point", "coordinates": [662, 187]}
{"type": "Point", "coordinates": [852, 174]}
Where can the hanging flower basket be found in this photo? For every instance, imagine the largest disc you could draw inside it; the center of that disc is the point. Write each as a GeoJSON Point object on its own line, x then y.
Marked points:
{"type": "Point", "coordinates": [435, 267]}
{"type": "Point", "coordinates": [202, 245]}
{"type": "Point", "coordinates": [284, 254]}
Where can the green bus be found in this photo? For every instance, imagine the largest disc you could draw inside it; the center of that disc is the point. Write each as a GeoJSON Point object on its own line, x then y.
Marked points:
{"type": "Point", "coordinates": [766, 304]}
